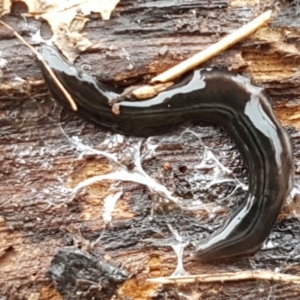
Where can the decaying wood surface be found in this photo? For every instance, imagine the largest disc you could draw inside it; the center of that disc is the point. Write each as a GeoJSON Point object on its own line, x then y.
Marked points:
{"type": "Point", "coordinates": [38, 219]}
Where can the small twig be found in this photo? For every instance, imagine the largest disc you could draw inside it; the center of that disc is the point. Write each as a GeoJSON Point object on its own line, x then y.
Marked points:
{"type": "Point", "coordinates": [133, 93]}
{"type": "Point", "coordinates": [40, 58]}
{"type": "Point", "coordinates": [148, 91]}
{"type": "Point", "coordinates": [213, 50]}
{"type": "Point", "coordinates": [237, 276]}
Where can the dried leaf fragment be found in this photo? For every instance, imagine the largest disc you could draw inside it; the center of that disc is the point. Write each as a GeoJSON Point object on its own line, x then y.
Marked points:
{"type": "Point", "coordinates": [67, 19]}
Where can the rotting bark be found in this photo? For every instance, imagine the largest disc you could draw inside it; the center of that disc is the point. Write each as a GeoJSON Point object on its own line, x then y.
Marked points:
{"type": "Point", "coordinates": [141, 39]}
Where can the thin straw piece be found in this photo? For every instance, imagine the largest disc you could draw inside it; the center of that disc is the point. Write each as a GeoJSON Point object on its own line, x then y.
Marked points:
{"type": "Point", "coordinates": [214, 49]}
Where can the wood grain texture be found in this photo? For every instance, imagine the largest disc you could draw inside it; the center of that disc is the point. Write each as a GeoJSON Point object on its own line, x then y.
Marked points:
{"type": "Point", "coordinates": [37, 216]}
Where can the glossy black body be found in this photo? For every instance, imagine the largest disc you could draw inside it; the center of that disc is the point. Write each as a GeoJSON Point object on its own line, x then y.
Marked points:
{"type": "Point", "coordinates": [221, 97]}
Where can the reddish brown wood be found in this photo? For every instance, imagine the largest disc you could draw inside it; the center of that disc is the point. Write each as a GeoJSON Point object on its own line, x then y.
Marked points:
{"type": "Point", "coordinates": [143, 38]}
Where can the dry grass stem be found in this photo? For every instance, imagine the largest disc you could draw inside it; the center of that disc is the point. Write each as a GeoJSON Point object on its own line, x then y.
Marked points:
{"type": "Point", "coordinates": [214, 49]}
{"type": "Point", "coordinates": [237, 276]}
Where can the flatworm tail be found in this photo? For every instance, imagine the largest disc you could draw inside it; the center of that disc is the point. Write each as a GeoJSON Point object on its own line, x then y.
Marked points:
{"type": "Point", "coordinates": [227, 99]}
